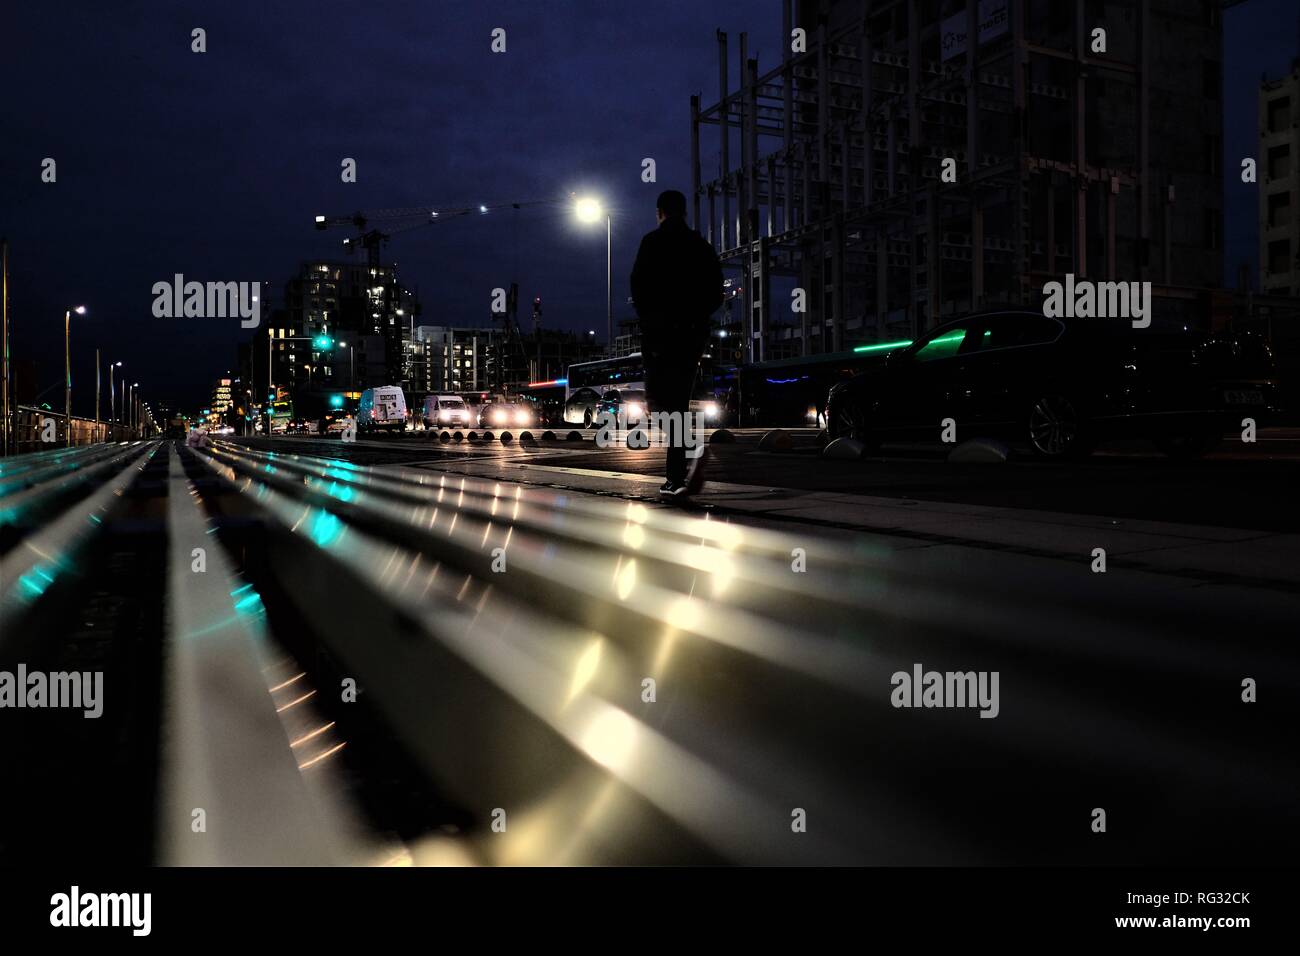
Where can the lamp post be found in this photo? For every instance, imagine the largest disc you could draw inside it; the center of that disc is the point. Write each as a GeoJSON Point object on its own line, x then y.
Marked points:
{"type": "Point", "coordinates": [132, 417]}
{"type": "Point", "coordinates": [112, 399]}
{"type": "Point", "coordinates": [352, 367]}
{"type": "Point", "coordinates": [589, 210]}
{"type": "Point", "coordinates": [67, 373]}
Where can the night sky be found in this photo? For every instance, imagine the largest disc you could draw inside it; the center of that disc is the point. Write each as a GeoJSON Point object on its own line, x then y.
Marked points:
{"type": "Point", "coordinates": [213, 165]}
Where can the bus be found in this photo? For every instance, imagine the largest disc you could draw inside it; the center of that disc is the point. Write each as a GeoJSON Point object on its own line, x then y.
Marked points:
{"type": "Point", "coordinates": [791, 393]}
{"type": "Point", "coordinates": [608, 383]}
{"type": "Point", "coordinates": [546, 399]}
{"type": "Point", "coordinates": [590, 383]}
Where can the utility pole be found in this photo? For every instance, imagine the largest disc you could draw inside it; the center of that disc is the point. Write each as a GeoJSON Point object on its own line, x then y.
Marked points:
{"type": "Point", "coordinates": [537, 331]}
{"type": "Point", "coordinates": [609, 279]}
{"type": "Point", "coordinates": [97, 391]}
{"type": "Point", "coordinates": [67, 379]}
{"type": "Point", "coordinates": [4, 347]}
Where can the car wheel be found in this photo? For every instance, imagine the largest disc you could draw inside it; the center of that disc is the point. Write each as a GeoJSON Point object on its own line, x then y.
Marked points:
{"type": "Point", "coordinates": [845, 420]}
{"type": "Point", "coordinates": [1056, 428]}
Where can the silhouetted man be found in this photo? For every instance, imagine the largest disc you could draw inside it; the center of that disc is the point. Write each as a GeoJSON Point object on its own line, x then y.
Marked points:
{"type": "Point", "coordinates": [676, 286]}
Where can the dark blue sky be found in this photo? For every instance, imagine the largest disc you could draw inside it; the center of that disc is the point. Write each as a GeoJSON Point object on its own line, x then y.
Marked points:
{"type": "Point", "coordinates": [213, 165]}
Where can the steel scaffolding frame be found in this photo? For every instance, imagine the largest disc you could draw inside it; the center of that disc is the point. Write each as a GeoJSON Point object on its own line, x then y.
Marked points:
{"type": "Point", "coordinates": [879, 220]}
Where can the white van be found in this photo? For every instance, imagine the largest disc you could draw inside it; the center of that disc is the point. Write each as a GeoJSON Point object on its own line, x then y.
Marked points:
{"type": "Point", "coordinates": [446, 411]}
{"type": "Point", "coordinates": [382, 407]}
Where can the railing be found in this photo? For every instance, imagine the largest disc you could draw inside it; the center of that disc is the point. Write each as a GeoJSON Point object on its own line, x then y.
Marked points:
{"type": "Point", "coordinates": [585, 679]}
{"type": "Point", "coordinates": [30, 430]}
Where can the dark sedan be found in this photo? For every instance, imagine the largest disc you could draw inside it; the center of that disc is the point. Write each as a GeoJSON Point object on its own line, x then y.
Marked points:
{"type": "Point", "coordinates": [1058, 385]}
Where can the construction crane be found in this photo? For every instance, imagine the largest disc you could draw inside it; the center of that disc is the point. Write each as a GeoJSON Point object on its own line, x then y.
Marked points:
{"type": "Point", "coordinates": [371, 239]}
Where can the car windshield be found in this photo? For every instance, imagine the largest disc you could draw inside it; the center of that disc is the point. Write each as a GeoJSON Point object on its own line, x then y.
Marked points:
{"type": "Point", "coordinates": [451, 403]}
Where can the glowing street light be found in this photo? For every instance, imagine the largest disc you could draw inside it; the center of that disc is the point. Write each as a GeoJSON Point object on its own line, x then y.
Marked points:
{"type": "Point", "coordinates": [590, 210]}
{"type": "Point", "coordinates": [112, 398]}
{"type": "Point", "coordinates": [67, 372]}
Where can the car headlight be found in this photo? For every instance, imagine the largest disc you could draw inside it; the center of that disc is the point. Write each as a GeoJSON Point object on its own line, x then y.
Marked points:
{"type": "Point", "coordinates": [523, 417]}
{"type": "Point", "coordinates": [444, 415]}
{"type": "Point", "coordinates": [633, 409]}
{"type": "Point", "coordinates": [710, 409]}
{"type": "Point", "coordinates": [499, 417]}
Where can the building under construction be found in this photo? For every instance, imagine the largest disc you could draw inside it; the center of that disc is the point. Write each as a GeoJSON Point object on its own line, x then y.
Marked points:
{"type": "Point", "coordinates": [831, 173]}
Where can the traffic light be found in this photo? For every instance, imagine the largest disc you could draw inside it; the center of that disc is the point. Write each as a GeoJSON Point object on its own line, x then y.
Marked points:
{"type": "Point", "coordinates": [336, 401]}
{"type": "Point", "coordinates": [323, 342]}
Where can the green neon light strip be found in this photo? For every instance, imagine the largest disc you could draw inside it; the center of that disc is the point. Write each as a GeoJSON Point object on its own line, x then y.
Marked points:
{"type": "Point", "coordinates": [884, 346]}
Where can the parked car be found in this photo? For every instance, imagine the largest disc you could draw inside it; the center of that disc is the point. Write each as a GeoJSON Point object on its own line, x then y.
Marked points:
{"type": "Point", "coordinates": [382, 407]}
{"type": "Point", "coordinates": [1058, 385]}
{"type": "Point", "coordinates": [446, 411]}
{"type": "Point", "coordinates": [505, 415]}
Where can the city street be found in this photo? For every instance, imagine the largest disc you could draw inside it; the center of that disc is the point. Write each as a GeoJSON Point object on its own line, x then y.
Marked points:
{"type": "Point", "coordinates": [835, 452]}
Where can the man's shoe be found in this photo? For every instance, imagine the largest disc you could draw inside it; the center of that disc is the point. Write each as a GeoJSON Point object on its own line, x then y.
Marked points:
{"type": "Point", "coordinates": [695, 477]}
{"type": "Point", "coordinates": [672, 491]}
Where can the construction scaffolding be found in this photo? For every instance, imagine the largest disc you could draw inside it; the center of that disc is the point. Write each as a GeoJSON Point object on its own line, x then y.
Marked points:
{"type": "Point", "coordinates": [840, 190]}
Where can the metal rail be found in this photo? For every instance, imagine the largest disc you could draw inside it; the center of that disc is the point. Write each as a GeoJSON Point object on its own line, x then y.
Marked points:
{"type": "Point", "coordinates": [592, 680]}
{"type": "Point", "coordinates": [226, 755]}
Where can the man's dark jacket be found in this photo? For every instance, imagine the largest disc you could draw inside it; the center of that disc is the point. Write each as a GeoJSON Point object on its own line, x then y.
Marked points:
{"type": "Point", "coordinates": [676, 286]}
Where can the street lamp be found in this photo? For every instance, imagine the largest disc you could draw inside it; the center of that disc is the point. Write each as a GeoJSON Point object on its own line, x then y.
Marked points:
{"type": "Point", "coordinates": [352, 366]}
{"type": "Point", "coordinates": [112, 399]}
{"type": "Point", "coordinates": [67, 372]}
{"type": "Point", "coordinates": [589, 210]}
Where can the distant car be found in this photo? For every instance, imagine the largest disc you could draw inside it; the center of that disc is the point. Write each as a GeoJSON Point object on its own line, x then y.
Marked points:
{"type": "Point", "coordinates": [505, 415]}
{"type": "Point", "coordinates": [710, 409]}
{"type": "Point", "coordinates": [446, 411]}
{"type": "Point", "coordinates": [628, 402]}
{"type": "Point", "coordinates": [1058, 385]}
{"type": "Point", "coordinates": [383, 407]}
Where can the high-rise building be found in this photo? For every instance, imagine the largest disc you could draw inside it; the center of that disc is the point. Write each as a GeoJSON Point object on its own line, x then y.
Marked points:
{"type": "Point", "coordinates": [341, 325]}
{"type": "Point", "coordinates": [459, 359]}
{"type": "Point", "coordinates": [489, 360]}
{"type": "Point", "coordinates": [1278, 175]}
